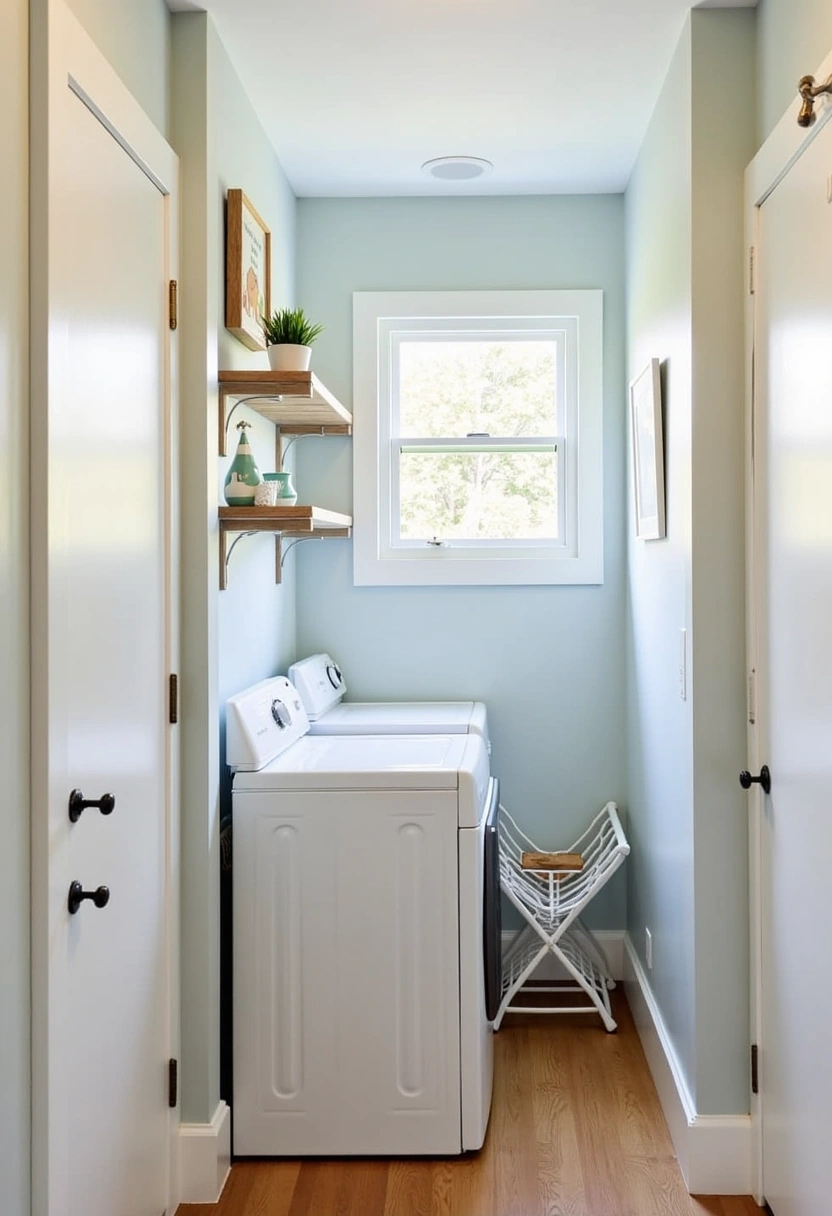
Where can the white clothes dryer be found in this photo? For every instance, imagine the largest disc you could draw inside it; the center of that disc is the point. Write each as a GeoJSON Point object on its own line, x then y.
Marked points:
{"type": "Point", "coordinates": [366, 936]}
{"type": "Point", "coordinates": [322, 687]}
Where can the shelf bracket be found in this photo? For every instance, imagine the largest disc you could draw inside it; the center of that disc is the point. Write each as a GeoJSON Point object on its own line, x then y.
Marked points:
{"type": "Point", "coordinates": [283, 442]}
{"type": "Point", "coordinates": [225, 415]}
{"type": "Point", "coordinates": [225, 553]}
{"type": "Point", "coordinates": [282, 550]}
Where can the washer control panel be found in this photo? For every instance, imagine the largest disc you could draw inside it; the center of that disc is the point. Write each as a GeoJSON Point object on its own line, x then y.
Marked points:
{"type": "Point", "coordinates": [262, 722]}
{"type": "Point", "coordinates": [320, 683]}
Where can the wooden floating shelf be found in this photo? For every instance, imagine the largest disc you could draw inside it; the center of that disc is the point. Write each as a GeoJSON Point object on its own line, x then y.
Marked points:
{"type": "Point", "coordinates": [296, 402]}
{"type": "Point", "coordinates": [292, 523]}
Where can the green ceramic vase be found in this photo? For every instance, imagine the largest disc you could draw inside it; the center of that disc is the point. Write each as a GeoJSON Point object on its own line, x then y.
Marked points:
{"type": "Point", "coordinates": [244, 475]}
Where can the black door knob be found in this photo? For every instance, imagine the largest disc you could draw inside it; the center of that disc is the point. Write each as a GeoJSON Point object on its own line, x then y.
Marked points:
{"type": "Point", "coordinates": [78, 803]}
{"type": "Point", "coordinates": [764, 779]}
{"type": "Point", "coordinates": [100, 897]}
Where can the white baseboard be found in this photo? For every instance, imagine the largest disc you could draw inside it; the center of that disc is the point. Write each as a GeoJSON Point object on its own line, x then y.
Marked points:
{"type": "Point", "coordinates": [714, 1151]}
{"type": "Point", "coordinates": [610, 940]}
{"type": "Point", "coordinates": [205, 1157]}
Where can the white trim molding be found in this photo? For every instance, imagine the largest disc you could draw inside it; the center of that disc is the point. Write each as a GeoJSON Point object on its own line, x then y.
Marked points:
{"type": "Point", "coordinates": [205, 1157]}
{"type": "Point", "coordinates": [381, 321]}
{"type": "Point", "coordinates": [714, 1151]}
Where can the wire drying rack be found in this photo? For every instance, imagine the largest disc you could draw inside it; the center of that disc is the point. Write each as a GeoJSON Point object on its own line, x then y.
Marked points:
{"type": "Point", "coordinates": [550, 890]}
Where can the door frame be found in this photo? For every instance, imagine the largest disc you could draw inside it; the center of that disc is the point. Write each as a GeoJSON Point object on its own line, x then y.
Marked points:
{"type": "Point", "coordinates": [64, 61]}
{"type": "Point", "coordinates": [775, 158]}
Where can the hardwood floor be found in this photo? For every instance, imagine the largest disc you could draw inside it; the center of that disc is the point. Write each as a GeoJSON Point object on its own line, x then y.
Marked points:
{"type": "Point", "coordinates": [576, 1130]}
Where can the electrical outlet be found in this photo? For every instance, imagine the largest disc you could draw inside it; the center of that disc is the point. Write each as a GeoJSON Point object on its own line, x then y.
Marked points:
{"type": "Point", "coordinates": [648, 949]}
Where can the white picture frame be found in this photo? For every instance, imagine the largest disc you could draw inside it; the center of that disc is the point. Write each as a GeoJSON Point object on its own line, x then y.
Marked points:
{"type": "Point", "coordinates": [648, 452]}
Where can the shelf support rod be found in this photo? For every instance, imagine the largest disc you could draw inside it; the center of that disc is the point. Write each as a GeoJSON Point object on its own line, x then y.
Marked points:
{"type": "Point", "coordinates": [225, 553]}
{"type": "Point", "coordinates": [284, 549]}
{"type": "Point", "coordinates": [225, 417]}
{"type": "Point", "coordinates": [284, 442]}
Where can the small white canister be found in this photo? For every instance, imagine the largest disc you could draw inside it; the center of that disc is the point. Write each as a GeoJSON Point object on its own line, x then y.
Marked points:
{"type": "Point", "coordinates": [265, 494]}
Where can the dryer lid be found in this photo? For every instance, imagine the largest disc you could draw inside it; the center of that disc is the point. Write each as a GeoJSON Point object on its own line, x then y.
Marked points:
{"type": "Point", "coordinates": [320, 683]}
{"type": "Point", "coordinates": [393, 763]}
{"type": "Point", "coordinates": [262, 722]}
{"type": "Point", "coordinates": [404, 718]}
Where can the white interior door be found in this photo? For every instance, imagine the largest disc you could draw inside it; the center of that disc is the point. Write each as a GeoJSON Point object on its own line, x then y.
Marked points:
{"type": "Point", "coordinates": [102, 563]}
{"type": "Point", "coordinates": [793, 519]}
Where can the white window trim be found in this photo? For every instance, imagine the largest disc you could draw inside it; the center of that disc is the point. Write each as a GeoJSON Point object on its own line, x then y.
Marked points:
{"type": "Point", "coordinates": [376, 563]}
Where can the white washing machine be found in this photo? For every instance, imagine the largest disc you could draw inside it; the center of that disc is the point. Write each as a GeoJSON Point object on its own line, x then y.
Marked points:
{"type": "Point", "coordinates": [366, 936]}
{"type": "Point", "coordinates": [322, 687]}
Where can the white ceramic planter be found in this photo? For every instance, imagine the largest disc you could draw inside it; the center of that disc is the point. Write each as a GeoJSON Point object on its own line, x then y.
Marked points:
{"type": "Point", "coordinates": [288, 357]}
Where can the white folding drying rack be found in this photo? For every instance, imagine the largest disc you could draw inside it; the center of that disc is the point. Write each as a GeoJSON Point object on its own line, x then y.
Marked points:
{"type": "Point", "coordinates": [550, 890]}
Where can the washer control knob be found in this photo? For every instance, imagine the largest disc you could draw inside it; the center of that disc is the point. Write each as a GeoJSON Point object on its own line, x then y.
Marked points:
{"type": "Point", "coordinates": [281, 714]}
{"type": "Point", "coordinates": [335, 677]}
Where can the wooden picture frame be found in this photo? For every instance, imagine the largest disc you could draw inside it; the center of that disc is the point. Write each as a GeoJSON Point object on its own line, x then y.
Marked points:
{"type": "Point", "coordinates": [248, 260]}
{"type": "Point", "coordinates": [648, 452]}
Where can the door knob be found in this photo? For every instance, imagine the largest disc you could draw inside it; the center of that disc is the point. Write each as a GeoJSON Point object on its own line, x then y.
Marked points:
{"type": "Point", "coordinates": [100, 897]}
{"type": "Point", "coordinates": [764, 779]}
{"type": "Point", "coordinates": [78, 803]}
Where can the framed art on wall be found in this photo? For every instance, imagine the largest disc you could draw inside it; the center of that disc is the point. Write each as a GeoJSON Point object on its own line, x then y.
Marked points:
{"type": "Point", "coordinates": [648, 452]}
{"type": "Point", "coordinates": [247, 271]}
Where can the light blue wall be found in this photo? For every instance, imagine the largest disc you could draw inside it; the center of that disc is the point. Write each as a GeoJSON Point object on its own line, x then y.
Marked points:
{"type": "Point", "coordinates": [231, 638]}
{"type": "Point", "coordinates": [14, 608]}
{"type": "Point", "coordinates": [794, 38]}
{"type": "Point", "coordinates": [689, 877]}
{"type": "Point", "coordinates": [548, 661]}
{"type": "Point", "coordinates": [660, 724]}
{"type": "Point", "coordinates": [723, 143]}
{"type": "Point", "coordinates": [256, 618]}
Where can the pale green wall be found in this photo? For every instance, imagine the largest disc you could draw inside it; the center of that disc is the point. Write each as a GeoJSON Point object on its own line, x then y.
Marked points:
{"type": "Point", "coordinates": [548, 661]}
{"type": "Point", "coordinates": [14, 633]}
{"type": "Point", "coordinates": [688, 881]}
{"type": "Point", "coordinates": [232, 638]}
{"type": "Point", "coordinates": [134, 35]}
{"type": "Point", "coordinates": [794, 38]}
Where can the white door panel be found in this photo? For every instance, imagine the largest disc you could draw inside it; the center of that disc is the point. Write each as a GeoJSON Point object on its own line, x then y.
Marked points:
{"type": "Point", "coordinates": [108, 448]}
{"type": "Point", "coordinates": [794, 617]}
{"type": "Point", "coordinates": [102, 633]}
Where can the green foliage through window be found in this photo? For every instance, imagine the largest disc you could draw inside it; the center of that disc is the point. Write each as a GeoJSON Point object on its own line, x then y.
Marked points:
{"type": "Point", "coordinates": [462, 388]}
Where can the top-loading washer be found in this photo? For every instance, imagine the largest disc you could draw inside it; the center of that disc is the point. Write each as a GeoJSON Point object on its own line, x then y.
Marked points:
{"type": "Point", "coordinates": [366, 936]}
{"type": "Point", "coordinates": [322, 687]}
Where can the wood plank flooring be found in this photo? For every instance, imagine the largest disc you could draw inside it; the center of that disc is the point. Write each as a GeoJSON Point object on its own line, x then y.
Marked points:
{"type": "Point", "coordinates": [576, 1130]}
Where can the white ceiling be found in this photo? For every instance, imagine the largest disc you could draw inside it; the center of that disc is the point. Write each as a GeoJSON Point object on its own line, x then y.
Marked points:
{"type": "Point", "coordinates": [356, 94]}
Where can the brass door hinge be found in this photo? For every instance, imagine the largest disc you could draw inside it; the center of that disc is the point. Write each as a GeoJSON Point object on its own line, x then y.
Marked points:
{"type": "Point", "coordinates": [173, 699]}
{"type": "Point", "coordinates": [752, 271]}
{"type": "Point", "coordinates": [173, 1083]}
{"type": "Point", "coordinates": [173, 303]}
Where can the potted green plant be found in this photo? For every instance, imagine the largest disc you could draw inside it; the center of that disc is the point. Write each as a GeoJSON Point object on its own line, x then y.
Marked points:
{"type": "Point", "coordinates": [289, 337]}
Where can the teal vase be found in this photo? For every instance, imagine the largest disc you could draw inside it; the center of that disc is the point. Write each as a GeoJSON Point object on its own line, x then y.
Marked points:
{"type": "Point", "coordinates": [285, 495]}
{"type": "Point", "coordinates": [243, 476]}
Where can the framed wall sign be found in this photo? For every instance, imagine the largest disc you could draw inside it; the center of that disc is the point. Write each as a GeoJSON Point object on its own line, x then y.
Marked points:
{"type": "Point", "coordinates": [247, 271]}
{"type": "Point", "coordinates": [648, 452]}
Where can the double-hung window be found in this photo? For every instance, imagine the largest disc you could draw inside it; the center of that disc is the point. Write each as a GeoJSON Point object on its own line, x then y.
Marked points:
{"type": "Point", "coordinates": [477, 437]}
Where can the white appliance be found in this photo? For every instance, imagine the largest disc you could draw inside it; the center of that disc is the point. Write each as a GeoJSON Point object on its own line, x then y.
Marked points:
{"type": "Point", "coordinates": [366, 936]}
{"type": "Point", "coordinates": [322, 687]}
